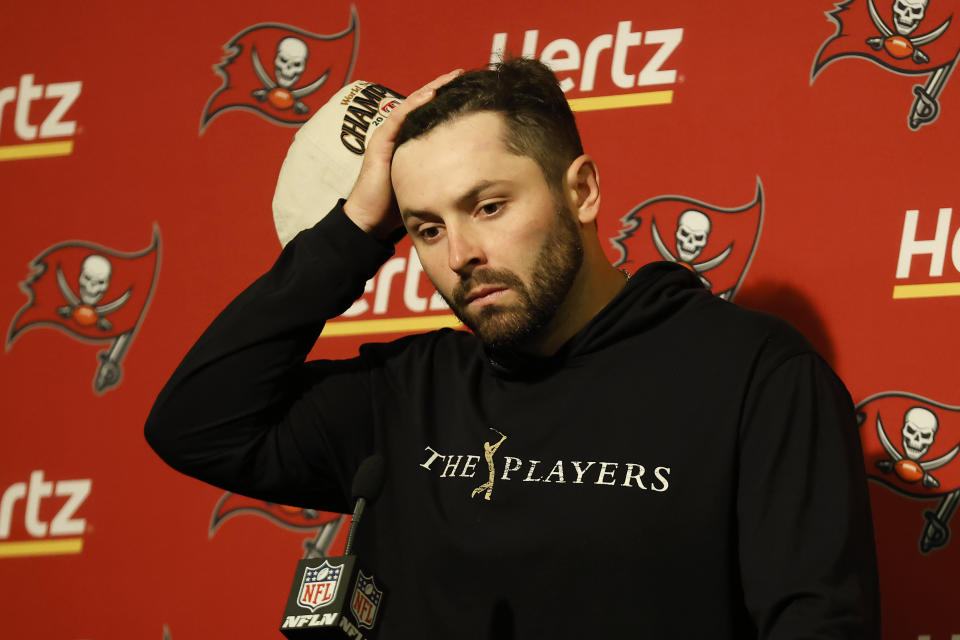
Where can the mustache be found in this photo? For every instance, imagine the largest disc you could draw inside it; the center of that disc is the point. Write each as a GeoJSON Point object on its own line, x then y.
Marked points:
{"type": "Point", "coordinates": [500, 277]}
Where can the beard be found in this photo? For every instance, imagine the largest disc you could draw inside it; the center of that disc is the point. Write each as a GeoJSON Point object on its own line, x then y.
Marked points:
{"type": "Point", "coordinates": [554, 270]}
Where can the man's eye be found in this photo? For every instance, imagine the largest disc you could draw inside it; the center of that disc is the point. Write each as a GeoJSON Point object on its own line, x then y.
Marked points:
{"type": "Point", "coordinates": [428, 233]}
{"type": "Point", "coordinates": [491, 208]}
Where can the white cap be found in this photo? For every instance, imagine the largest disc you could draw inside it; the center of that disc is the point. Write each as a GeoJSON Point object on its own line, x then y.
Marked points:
{"type": "Point", "coordinates": [326, 154]}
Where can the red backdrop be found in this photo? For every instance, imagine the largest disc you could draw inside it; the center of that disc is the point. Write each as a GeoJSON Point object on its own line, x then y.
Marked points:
{"type": "Point", "coordinates": [821, 149]}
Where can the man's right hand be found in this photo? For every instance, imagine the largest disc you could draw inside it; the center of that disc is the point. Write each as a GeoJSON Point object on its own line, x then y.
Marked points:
{"type": "Point", "coordinates": [371, 205]}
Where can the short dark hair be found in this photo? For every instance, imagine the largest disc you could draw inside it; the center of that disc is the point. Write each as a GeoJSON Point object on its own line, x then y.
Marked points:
{"type": "Point", "coordinates": [537, 119]}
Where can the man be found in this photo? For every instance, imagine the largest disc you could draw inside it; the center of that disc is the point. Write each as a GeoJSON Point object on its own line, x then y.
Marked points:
{"type": "Point", "coordinates": [600, 456]}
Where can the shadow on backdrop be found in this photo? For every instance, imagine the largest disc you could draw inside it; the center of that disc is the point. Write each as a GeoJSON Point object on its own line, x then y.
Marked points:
{"type": "Point", "coordinates": [787, 302]}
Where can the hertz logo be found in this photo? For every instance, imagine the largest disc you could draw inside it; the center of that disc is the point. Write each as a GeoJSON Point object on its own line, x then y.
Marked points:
{"type": "Point", "coordinates": [616, 52]}
{"type": "Point", "coordinates": [16, 105]}
{"type": "Point", "coordinates": [914, 244]}
{"type": "Point", "coordinates": [59, 536]}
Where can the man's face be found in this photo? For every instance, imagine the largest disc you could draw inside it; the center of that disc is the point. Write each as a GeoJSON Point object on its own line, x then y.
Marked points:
{"type": "Point", "coordinates": [493, 238]}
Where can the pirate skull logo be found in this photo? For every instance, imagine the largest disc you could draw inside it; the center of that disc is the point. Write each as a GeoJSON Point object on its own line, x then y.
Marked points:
{"type": "Point", "coordinates": [898, 42]}
{"type": "Point", "coordinates": [907, 15]}
{"type": "Point", "coordinates": [918, 434]}
{"type": "Point", "coordinates": [289, 64]}
{"type": "Point", "coordinates": [919, 429]}
{"type": "Point", "coordinates": [290, 61]}
{"type": "Point", "coordinates": [94, 280]}
{"type": "Point", "coordinates": [693, 231]}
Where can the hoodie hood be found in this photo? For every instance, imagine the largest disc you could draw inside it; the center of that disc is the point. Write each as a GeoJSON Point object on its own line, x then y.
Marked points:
{"type": "Point", "coordinates": [652, 295]}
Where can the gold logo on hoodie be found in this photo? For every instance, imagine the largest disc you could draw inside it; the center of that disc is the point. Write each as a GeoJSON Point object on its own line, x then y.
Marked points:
{"type": "Point", "coordinates": [488, 450]}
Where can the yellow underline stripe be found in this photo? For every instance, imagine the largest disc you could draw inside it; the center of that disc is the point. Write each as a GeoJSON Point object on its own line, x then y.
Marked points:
{"type": "Point", "coordinates": [388, 325]}
{"type": "Point", "coordinates": [935, 290]}
{"type": "Point", "coordinates": [41, 547]}
{"type": "Point", "coordinates": [625, 100]}
{"type": "Point", "coordinates": [36, 150]}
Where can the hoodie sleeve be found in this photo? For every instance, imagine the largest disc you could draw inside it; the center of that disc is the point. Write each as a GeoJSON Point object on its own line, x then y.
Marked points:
{"type": "Point", "coordinates": [244, 412]}
{"type": "Point", "coordinates": [807, 555]}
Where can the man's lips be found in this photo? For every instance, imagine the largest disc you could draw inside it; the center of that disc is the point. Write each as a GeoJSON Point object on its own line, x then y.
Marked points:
{"type": "Point", "coordinates": [485, 294]}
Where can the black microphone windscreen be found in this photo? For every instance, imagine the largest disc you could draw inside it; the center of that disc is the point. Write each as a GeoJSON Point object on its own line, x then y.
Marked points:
{"type": "Point", "coordinates": [369, 478]}
{"type": "Point", "coordinates": [501, 621]}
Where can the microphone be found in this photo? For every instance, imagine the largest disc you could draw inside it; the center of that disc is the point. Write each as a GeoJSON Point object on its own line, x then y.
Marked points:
{"type": "Point", "coordinates": [366, 487]}
{"type": "Point", "coordinates": [337, 597]}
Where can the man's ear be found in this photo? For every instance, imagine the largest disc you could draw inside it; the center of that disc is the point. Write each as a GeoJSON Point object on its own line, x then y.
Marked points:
{"type": "Point", "coordinates": [582, 188]}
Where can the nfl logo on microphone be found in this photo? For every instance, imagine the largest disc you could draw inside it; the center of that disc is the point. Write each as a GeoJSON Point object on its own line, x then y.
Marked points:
{"type": "Point", "coordinates": [332, 598]}
{"type": "Point", "coordinates": [319, 586]}
{"type": "Point", "coordinates": [366, 600]}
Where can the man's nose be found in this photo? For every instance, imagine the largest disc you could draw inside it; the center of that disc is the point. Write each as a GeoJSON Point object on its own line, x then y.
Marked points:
{"type": "Point", "coordinates": [464, 250]}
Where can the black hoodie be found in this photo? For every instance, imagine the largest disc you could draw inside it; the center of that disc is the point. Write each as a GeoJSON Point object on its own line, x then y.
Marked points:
{"type": "Point", "coordinates": [681, 468]}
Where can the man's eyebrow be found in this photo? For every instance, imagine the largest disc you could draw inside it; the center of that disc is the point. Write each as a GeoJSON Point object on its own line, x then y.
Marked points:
{"type": "Point", "coordinates": [421, 215]}
{"type": "Point", "coordinates": [470, 196]}
{"type": "Point", "coordinates": [463, 201]}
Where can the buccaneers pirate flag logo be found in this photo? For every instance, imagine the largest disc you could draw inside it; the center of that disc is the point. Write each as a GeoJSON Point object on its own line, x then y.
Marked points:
{"type": "Point", "coordinates": [282, 73]}
{"type": "Point", "coordinates": [93, 294]}
{"type": "Point", "coordinates": [327, 525]}
{"type": "Point", "coordinates": [715, 243]}
{"type": "Point", "coordinates": [909, 37]}
{"type": "Point", "coordinates": [910, 444]}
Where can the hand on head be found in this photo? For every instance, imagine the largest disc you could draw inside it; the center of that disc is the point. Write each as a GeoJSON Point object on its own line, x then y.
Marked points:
{"type": "Point", "coordinates": [371, 204]}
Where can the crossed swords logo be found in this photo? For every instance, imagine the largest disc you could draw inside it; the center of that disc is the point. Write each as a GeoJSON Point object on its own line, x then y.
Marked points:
{"type": "Point", "coordinates": [925, 107]}
{"type": "Point", "coordinates": [907, 469]}
{"type": "Point", "coordinates": [900, 46]}
{"type": "Point", "coordinates": [699, 267]}
{"type": "Point", "coordinates": [278, 96]}
{"type": "Point", "coordinates": [87, 314]}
